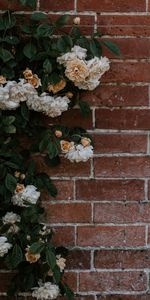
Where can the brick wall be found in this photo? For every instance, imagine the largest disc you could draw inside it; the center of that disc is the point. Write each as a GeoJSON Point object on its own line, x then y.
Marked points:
{"type": "Point", "coordinates": [103, 209]}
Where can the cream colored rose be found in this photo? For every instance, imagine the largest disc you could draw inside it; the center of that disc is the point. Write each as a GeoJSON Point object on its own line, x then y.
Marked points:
{"type": "Point", "coordinates": [30, 257]}
{"type": "Point", "coordinates": [85, 141]}
{"type": "Point", "coordinates": [76, 20]}
{"type": "Point", "coordinates": [58, 133]}
{"type": "Point", "coordinates": [20, 188]}
{"type": "Point", "coordinates": [28, 74]}
{"type": "Point", "coordinates": [69, 95]}
{"type": "Point", "coordinates": [35, 81]}
{"type": "Point", "coordinates": [76, 70]}
{"type": "Point", "coordinates": [66, 146]}
{"type": "Point", "coordinates": [61, 262]}
{"type": "Point", "coordinates": [2, 79]}
{"type": "Point", "coordinates": [55, 88]}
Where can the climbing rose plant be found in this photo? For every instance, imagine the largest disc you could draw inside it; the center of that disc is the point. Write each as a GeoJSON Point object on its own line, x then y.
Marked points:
{"type": "Point", "coordinates": [42, 74]}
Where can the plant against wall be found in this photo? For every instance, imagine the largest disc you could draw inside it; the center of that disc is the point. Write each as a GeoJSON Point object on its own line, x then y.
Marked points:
{"type": "Point", "coordinates": [41, 76]}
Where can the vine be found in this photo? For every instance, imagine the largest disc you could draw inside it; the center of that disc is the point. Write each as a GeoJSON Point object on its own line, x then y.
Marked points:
{"type": "Point", "coordinates": [42, 75]}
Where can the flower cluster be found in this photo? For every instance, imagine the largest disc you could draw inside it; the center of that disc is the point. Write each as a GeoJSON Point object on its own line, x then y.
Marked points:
{"type": "Point", "coordinates": [77, 152]}
{"type": "Point", "coordinates": [85, 74]}
{"type": "Point", "coordinates": [46, 291]}
{"type": "Point", "coordinates": [4, 246]}
{"type": "Point", "coordinates": [25, 195]}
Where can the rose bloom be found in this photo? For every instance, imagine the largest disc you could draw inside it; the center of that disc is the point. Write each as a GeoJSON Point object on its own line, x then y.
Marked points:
{"type": "Point", "coordinates": [35, 81]}
{"type": "Point", "coordinates": [2, 79]}
{"type": "Point", "coordinates": [66, 146]}
{"type": "Point", "coordinates": [76, 70]}
{"type": "Point", "coordinates": [20, 188]}
{"type": "Point", "coordinates": [28, 74]}
{"type": "Point", "coordinates": [61, 262]}
{"type": "Point", "coordinates": [17, 174]}
{"type": "Point", "coordinates": [58, 133]}
{"type": "Point", "coordinates": [30, 257]}
{"type": "Point", "coordinates": [85, 141]}
{"type": "Point", "coordinates": [55, 88]}
{"type": "Point", "coordinates": [76, 20]}
{"type": "Point", "coordinates": [69, 94]}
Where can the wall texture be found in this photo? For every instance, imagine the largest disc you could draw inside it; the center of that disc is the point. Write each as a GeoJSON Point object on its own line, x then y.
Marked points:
{"type": "Point", "coordinates": [103, 209]}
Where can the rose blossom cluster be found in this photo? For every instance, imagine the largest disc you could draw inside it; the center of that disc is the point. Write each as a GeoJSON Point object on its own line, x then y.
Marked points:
{"type": "Point", "coordinates": [4, 246]}
{"type": "Point", "coordinates": [24, 196]}
{"type": "Point", "coordinates": [46, 291]}
{"type": "Point", "coordinates": [77, 152]}
{"type": "Point", "coordinates": [85, 74]}
{"type": "Point", "coordinates": [11, 219]}
{"type": "Point", "coordinates": [12, 93]}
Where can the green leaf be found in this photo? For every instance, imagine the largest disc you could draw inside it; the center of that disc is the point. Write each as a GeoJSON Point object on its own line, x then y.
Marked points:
{"type": "Point", "coordinates": [62, 20]}
{"type": "Point", "coordinates": [57, 274]}
{"type": "Point", "coordinates": [50, 258]}
{"type": "Point", "coordinates": [44, 30]}
{"type": "Point", "coordinates": [47, 65]}
{"type": "Point", "coordinates": [112, 47]}
{"type": "Point", "coordinates": [25, 111]}
{"type": "Point", "coordinates": [5, 55]}
{"type": "Point", "coordinates": [37, 247]}
{"type": "Point", "coordinates": [8, 120]}
{"type": "Point", "coordinates": [13, 40]}
{"type": "Point", "coordinates": [44, 143]}
{"type": "Point", "coordinates": [68, 292]}
{"type": "Point", "coordinates": [95, 48]}
{"type": "Point", "coordinates": [37, 16]}
{"type": "Point", "coordinates": [30, 50]}
{"type": "Point", "coordinates": [17, 255]}
{"type": "Point", "coordinates": [10, 129]}
{"type": "Point", "coordinates": [10, 182]}
{"type": "Point", "coordinates": [85, 109]}
{"type": "Point", "coordinates": [52, 150]}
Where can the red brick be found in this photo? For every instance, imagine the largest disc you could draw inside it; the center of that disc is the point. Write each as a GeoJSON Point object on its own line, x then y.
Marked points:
{"type": "Point", "coordinates": [112, 190]}
{"type": "Point", "coordinates": [112, 5]}
{"type": "Point", "coordinates": [124, 25]}
{"type": "Point", "coordinates": [149, 189]}
{"type": "Point", "coordinates": [65, 168]}
{"type": "Point", "coordinates": [56, 5]}
{"type": "Point", "coordinates": [128, 72]}
{"type": "Point", "coordinates": [116, 143]}
{"type": "Point", "coordinates": [64, 188]}
{"type": "Point", "coordinates": [131, 48]}
{"type": "Point", "coordinates": [12, 5]}
{"type": "Point", "coordinates": [64, 236]}
{"type": "Point", "coordinates": [123, 119]}
{"type": "Point", "coordinates": [122, 259]}
{"type": "Point", "coordinates": [70, 118]}
{"type": "Point", "coordinates": [118, 167]}
{"type": "Point", "coordinates": [121, 213]}
{"type": "Point", "coordinates": [118, 281]}
{"type": "Point", "coordinates": [70, 278]}
{"type": "Point", "coordinates": [77, 297]}
{"type": "Point", "coordinates": [121, 96]}
{"type": "Point", "coordinates": [78, 259]}
{"type": "Point", "coordinates": [124, 297]}
{"type": "Point", "coordinates": [115, 236]}
{"type": "Point", "coordinates": [68, 213]}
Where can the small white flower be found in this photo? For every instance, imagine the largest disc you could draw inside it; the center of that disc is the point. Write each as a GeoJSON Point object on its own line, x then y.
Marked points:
{"type": "Point", "coordinates": [29, 194]}
{"type": "Point", "coordinates": [4, 246]}
{"type": "Point", "coordinates": [80, 153]}
{"type": "Point", "coordinates": [46, 291]}
{"type": "Point", "coordinates": [11, 218]}
{"type": "Point", "coordinates": [76, 52]}
{"type": "Point", "coordinates": [80, 52]}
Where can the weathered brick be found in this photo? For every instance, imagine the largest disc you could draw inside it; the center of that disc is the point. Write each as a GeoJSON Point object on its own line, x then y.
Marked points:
{"type": "Point", "coordinates": [56, 5]}
{"type": "Point", "coordinates": [118, 281]}
{"type": "Point", "coordinates": [121, 96]}
{"type": "Point", "coordinates": [128, 72]}
{"type": "Point", "coordinates": [124, 25]}
{"type": "Point", "coordinates": [120, 167]}
{"type": "Point", "coordinates": [121, 213]}
{"type": "Point", "coordinates": [5, 278]}
{"type": "Point", "coordinates": [78, 259]}
{"type": "Point", "coordinates": [124, 297]}
{"type": "Point", "coordinates": [112, 190]}
{"type": "Point", "coordinates": [68, 213]}
{"type": "Point", "coordinates": [64, 236]}
{"type": "Point", "coordinates": [123, 119]}
{"type": "Point", "coordinates": [64, 189]}
{"type": "Point", "coordinates": [111, 236]}
{"type": "Point", "coordinates": [120, 143]}
{"type": "Point", "coordinates": [122, 259]}
{"type": "Point", "coordinates": [70, 278]}
{"type": "Point", "coordinates": [12, 5]}
{"type": "Point", "coordinates": [112, 5]}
